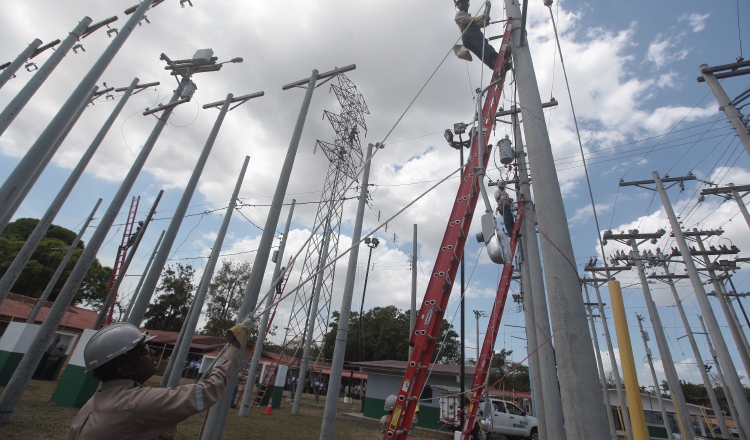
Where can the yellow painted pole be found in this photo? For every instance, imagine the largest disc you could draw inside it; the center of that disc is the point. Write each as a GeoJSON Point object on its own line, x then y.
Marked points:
{"type": "Point", "coordinates": [632, 390]}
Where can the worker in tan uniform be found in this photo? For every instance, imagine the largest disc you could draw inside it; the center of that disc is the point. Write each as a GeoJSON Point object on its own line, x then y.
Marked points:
{"type": "Point", "coordinates": [122, 407]}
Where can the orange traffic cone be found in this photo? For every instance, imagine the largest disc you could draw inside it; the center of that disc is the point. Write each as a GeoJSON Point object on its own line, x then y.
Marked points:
{"type": "Point", "coordinates": [268, 408]}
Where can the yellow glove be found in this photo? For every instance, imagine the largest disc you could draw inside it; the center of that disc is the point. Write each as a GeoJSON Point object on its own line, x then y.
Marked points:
{"type": "Point", "coordinates": [241, 331]}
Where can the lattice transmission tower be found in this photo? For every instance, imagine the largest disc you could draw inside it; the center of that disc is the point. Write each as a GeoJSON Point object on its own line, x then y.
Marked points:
{"type": "Point", "coordinates": [344, 160]}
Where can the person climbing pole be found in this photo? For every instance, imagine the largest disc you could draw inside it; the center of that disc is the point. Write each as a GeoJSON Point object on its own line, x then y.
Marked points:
{"type": "Point", "coordinates": [504, 206]}
{"type": "Point", "coordinates": [472, 37]}
{"type": "Point", "coordinates": [122, 407]}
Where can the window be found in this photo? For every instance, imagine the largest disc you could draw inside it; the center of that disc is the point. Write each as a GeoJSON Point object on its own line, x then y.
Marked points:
{"type": "Point", "coordinates": [513, 409]}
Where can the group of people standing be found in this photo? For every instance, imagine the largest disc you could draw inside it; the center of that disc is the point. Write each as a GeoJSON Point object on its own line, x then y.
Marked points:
{"type": "Point", "coordinates": [191, 370]}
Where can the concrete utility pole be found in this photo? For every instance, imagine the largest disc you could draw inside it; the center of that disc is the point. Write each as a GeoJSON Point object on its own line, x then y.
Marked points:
{"type": "Point", "coordinates": [550, 389]}
{"type": "Point", "coordinates": [621, 397]}
{"type": "Point", "coordinates": [112, 294]}
{"type": "Point", "coordinates": [142, 277]}
{"type": "Point", "coordinates": [535, 383]}
{"type": "Point", "coordinates": [200, 295]}
{"type": "Point", "coordinates": [61, 268]}
{"type": "Point", "coordinates": [23, 96]}
{"type": "Point", "coordinates": [9, 69]}
{"type": "Point", "coordinates": [657, 390]}
{"type": "Point", "coordinates": [734, 191]}
{"type": "Point", "coordinates": [23, 256]}
{"type": "Point", "coordinates": [634, 238]}
{"type": "Point", "coordinates": [725, 104]}
{"type": "Point", "coordinates": [577, 371]}
{"type": "Point", "coordinates": [213, 425]}
{"type": "Point", "coordinates": [311, 324]}
{"type": "Point", "coordinates": [602, 374]}
{"type": "Point", "coordinates": [203, 60]}
{"type": "Point", "coordinates": [31, 166]}
{"type": "Point", "coordinates": [277, 278]}
{"type": "Point", "coordinates": [734, 326]}
{"type": "Point", "coordinates": [693, 345]}
{"type": "Point", "coordinates": [30, 245]}
{"type": "Point", "coordinates": [339, 350]}
{"type": "Point", "coordinates": [733, 380]}
{"type": "Point", "coordinates": [720, 376]}
{"type": "Point", "coordinates": [21, 195]}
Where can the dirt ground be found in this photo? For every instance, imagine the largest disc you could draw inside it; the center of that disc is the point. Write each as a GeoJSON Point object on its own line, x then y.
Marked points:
{"type": "Point", "coordinates": [38, 418]}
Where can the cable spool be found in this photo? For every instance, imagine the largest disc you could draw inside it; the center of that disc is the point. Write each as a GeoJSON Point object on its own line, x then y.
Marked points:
{"type": "Point", "coordinates": [505, 149]}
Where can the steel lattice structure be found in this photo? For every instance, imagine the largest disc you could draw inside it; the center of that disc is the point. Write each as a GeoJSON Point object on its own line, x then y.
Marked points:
{"type": "Point", "coordinates": [345, 158]}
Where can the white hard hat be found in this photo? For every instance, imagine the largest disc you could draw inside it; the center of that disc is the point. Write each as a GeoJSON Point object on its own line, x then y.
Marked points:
{"type": "Point", "coordinates": [110, 342]}
{"type": "Point", "coordinates": [390, 402]}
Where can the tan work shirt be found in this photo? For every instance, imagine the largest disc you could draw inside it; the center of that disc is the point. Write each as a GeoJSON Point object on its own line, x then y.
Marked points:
{"type": "Point", "coordinates": [125, 409]}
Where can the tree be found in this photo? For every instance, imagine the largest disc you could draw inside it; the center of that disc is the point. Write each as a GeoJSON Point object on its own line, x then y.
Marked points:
{"type": "Point", "coordinates": [385, 336]}
{"type": "Point", "coordinates": [173, 302]}
{"type": "Point", "coordinates": [44, 262]}
{"type": "Point", "coordinates": [225, 297]}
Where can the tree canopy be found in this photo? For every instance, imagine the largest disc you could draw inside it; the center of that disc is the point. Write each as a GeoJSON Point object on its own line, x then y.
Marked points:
{"type": "Point", "coordinates": [173, 301]}
{"type": "Point", "coordinates": [225, 297]}
{"type": "Point", "coordinates": [385, 336]}
{"type": "Point", "coordinates": [44, 262]}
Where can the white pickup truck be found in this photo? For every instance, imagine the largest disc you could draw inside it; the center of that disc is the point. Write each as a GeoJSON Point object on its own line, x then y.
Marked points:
{"type": "Point", "coordinates": [505, 419]}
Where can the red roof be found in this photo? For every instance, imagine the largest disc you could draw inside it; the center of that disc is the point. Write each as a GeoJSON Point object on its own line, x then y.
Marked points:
{"type": "Point", "coordinates": [18, 307]}
{"type": "Point", "coordinates": [202, 343]}
{"type": "Point", "coordinates": [401, 366]}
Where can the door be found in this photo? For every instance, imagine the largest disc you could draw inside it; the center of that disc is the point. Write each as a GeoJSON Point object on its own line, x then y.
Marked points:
{"type": "Point", "coordinates": [501, 422]}
{"type": "Point", "coordinates": [518, 421]}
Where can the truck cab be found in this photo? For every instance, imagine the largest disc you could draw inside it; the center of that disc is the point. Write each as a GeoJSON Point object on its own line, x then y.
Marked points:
{"type": "Point", "coordinates": [498, 416]}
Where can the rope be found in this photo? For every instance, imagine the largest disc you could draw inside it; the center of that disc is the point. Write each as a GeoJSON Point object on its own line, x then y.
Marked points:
{"type": "Point", "coordinates": [580, 145]}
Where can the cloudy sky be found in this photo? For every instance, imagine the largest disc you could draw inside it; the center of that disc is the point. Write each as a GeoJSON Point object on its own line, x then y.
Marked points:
{"type": "Point", "coordinates": [632, 69]}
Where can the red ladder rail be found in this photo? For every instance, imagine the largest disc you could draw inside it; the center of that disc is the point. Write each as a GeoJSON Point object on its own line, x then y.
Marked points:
{"type": "Point", "coordinates": [122, 253]}
{"type": "Point", "coordinates": [430, 316]}
{"type": "Point", "coordinates": [493, 326]}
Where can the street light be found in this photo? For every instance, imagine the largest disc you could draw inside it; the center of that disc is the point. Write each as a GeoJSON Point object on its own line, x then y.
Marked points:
{"type": "Point", "coordinates": [460, 129]}
{"type": "Point", "coordinates": [372, 243]}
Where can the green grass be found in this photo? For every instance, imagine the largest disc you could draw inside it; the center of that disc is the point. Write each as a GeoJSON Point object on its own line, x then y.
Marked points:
{"type": "Point", "coordinates": [38, 418]}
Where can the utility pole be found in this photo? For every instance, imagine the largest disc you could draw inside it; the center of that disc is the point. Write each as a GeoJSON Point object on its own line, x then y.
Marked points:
{"type": "Point", "coordinates": [634, 238]}
{"type": "Point", "coordinates": [313, 313]}
{"type": "Point", "coordinates": [24, 95]}
{"type": "Point", "coordinates": [112, 294]}
{"type": "Point", "coordinates": [10, 68]}
{"type": "Point", "coordinates": [720, 376]}
{"type": "Point", "coordinates": [142, 277]}
{"type": "Point", "coordinates": [734, 192]}
{"type": "Point", "coordinates": [535, 379]}
{"type": "Point", "coordinates": [339, 350]}
{"type": "Point", "coordinates": [202, 61]}
{"type": "Point", "coordinates": [253, 370]}
{"type": "Point", "coordinates": [725, 104]}
{"type": "Point", "coordinates": [31, 243]}
{"type": "Point", "coordinates": [733, 380]}
{"type": "Point", "coordinates": [669, 277]}
{"type": "Point", "coordinates": [734, 327]}
{"type": "Point", "coordinates": [602, 374]}
{"type": "Point", "coordinates": [621, 397]}
{"type": "Point", "coordinates": [664, 415]}
{"type": "Point", "coordinates": [31, 166]}
{"type": "Point", "coordinates": [550, 388]}
{"type": "Point", "coordinates": [576, 363]}
{"type": "Point", "coordinates": [200, 295]}
{"type": "Point", "coordinates": [213, 425]}
{"type": "Point", "coordinates": [61, 268]}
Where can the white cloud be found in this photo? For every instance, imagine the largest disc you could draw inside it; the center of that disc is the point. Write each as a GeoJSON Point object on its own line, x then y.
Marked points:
{"type": "Point", "coordinates": [696, 21]}
{"type": "Point", "coordinates": [665, 49]}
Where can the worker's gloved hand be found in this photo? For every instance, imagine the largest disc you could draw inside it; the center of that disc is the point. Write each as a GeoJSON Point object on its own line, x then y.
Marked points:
{"type": "Point", "coordinates": [240, 331]}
